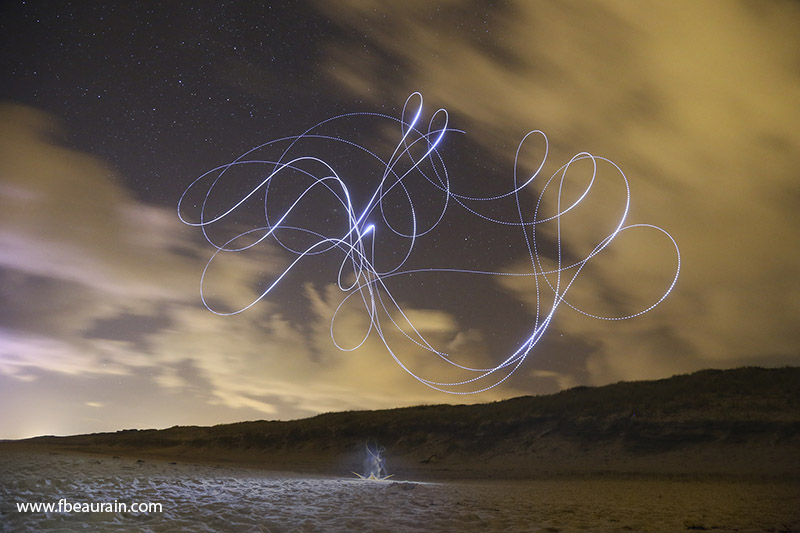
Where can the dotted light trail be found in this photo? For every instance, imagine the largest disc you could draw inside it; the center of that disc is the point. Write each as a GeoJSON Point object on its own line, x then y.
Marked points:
{"type": "Point", "coordinates": [305, 206]}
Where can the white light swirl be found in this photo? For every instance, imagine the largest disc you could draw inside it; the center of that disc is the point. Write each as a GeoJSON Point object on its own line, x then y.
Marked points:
{"type": "Point", "coordinates": [416, 156]}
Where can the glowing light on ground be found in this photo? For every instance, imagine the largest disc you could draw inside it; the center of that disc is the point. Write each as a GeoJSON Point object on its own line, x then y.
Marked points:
{"type": "Point", "coordinates": [374, 465]}
{"type": "Point", "coordinates": [307, 207]}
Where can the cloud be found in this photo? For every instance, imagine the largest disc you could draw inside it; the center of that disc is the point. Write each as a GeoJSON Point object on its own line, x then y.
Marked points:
{"type": "Point", "coordinates": [563, 380]}
{"type": "Point", "coordinates": [89, 274]}
{"type": "Point", "coordinates": [264, 362]}
{"type": "Point", "coordinates": [103, 289]}
{"type": "Point", "coordinates": [698, 106]}
{"type": "Point", "coordinates": [66, 216]}
{"type": "Point", "coordinates": [370, 375]}
{"type": "Point", "coordinates": [76, 249]}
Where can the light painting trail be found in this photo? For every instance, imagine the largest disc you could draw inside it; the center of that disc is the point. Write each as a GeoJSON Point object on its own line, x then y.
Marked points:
{"type": "Point", "coordinates": [374, 465]}
{"type": "Point", "coordinates": [306, 206]}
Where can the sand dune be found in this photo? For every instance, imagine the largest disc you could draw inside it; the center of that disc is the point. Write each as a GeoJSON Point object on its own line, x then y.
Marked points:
{"type": "Point", "coordinates": [742, 422]}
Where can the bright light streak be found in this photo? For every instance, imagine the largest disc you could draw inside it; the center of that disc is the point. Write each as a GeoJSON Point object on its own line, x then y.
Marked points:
{"type": "Point", "coordinates": [292, 220]}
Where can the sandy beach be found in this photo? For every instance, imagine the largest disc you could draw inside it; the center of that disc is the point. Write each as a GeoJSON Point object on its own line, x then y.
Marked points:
{"type": "Point", "coordinates": [716, 457]}
{"type": "Point", "coordinates": [212, 496]}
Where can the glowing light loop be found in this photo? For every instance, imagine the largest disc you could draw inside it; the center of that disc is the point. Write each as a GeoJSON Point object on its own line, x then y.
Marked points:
{"type": "Point", "coordinates": [415, 158]}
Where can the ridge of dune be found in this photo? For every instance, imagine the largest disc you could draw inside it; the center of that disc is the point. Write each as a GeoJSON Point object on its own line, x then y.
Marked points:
{"type": "Point", "coordinates": [744, 421]}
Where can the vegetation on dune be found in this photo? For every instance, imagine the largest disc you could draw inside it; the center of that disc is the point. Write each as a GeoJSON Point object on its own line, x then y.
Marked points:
{"type": "Point", "coordinates": [732, 406]}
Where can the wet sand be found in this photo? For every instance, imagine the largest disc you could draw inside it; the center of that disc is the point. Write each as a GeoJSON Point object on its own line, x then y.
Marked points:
{"type": "Point", "coordinates": [210, 496]}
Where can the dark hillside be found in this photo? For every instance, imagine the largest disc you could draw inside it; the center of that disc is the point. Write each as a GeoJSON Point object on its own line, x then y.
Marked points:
{"type": "Point", "coordinates": [741, 421]}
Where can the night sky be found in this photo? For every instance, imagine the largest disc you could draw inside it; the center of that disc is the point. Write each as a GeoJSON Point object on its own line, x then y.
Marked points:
{"type": "Point", "coordinates": [109, 111]}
